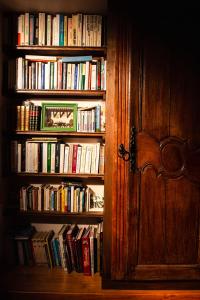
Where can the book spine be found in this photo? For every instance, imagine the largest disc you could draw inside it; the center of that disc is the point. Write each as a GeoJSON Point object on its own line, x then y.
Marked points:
{"type": "Point", "coordinates": [74, 158]}
{"type": "Point", "coordinates": [86, 256]}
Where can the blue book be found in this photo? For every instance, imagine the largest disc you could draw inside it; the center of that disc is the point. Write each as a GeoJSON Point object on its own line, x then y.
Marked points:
{"type": "Point", "coordinates": [98, 118]}
{"type": "Point", "coordinates": [76, 77]}
{"type": "Point", "coordinates": [69, 199]}
{"type": "Point", "coordinates": [43, 76]}
{"type": "Point", "coordinates": [61, 33]}
{"type": "Point", "coordinates": [76, 58]}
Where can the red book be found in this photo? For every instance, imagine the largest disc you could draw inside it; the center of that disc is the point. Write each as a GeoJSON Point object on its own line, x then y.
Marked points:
{"type": "Point", "coordinates": [86, 253]}
{"type": "Point", "coordinates": [74, 158]}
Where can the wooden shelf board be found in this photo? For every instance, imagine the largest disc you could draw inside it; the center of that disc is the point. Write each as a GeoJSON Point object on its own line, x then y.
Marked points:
{"type": "Point", "coordinates": [61, 133]}
{"type": "Point", "coordinates": [60, 218]}
{"type": "Point", "coordinates": [71, 175]}
{"type": "Point", "coordinates": [55, 213]}
{"type": "Point", "coordinates": [65, 49]}
{"type": "Point", "coordinates": [81, 93]}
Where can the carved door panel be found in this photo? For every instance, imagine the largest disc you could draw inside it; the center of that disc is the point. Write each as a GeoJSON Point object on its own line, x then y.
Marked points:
{"type": "Point", "coordinates": [167, 208]}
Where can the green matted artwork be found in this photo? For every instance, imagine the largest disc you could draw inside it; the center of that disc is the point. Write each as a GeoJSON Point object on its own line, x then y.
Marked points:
{"type": "Point", "coordinates": [59, 116]}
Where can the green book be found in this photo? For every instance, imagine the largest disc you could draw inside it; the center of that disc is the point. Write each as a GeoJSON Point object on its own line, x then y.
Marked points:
{"type": "Point", "coordinates": [48, 157]}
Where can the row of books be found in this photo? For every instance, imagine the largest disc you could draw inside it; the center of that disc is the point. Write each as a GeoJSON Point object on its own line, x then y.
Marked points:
{"type": "Point", "coordinates": [28, 117]}
{"type": "Point", "coordinates": [66, 197]}
{"type": "Point", "coordinates": [89, 118]}
{"type": "Point", "coordinates": [76, 29]}
{"type": "Point", "coordinates": [65, 73]}
{"type": "Point", "coordinates": [59, 74]}
{"type": "Point", "coordinates": [37, 155]}
{"type": "Point", "coordinates": [73, 248]}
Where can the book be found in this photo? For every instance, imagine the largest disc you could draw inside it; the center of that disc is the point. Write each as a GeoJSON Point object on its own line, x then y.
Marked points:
{"type": "Point", "coordinates": [70, 59]}
{"type": "Point", "coordinates": [23, 243]}
{"type": "Point", "coordinates": [71, 233]}
{"type": "Point", "coordinates": [86, 252]}
{"type": "Point", "coordinates": [62, 240]}
{"type": "Point", "coordinates": [48, 249]}
{"type": "Point", "coordinates": [78, 256]}
{"type": "Point", "coordinates": [41, 58]}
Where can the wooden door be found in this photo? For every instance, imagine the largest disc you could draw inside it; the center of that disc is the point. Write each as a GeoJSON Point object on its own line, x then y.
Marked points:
{"type": "Point", "coordinates": [155, 210]}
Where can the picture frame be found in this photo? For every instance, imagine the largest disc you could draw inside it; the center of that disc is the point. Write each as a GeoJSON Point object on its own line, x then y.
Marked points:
{"type": "Point", "coordinates": [59, 117]}
{"type": "Point", "coordinates": [96, 203]}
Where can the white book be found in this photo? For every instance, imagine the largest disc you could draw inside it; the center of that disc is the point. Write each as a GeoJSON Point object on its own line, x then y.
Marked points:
{"type": "Point", "coordinates": [53, 156]}
{"type": "Point", "coordinates": [66, 158]}
{"type": "Point", "coordinates": [47, 76]}
{"type": "Point", "coordinates": [88, 158]}
{"type": "Point", "coordinates": [44, 157]}
{"type": "Point", "coordinates": [93, 159]}
{"type": "Point", "coordinates": [70, 157]}
{"type": "Point", "coordinates": [36, 74]}
{"type": "Point", "coordinates": [96, 170]}
{"type": "Point", "coordinates": [83, 157]}
{"type": "Point", "coordinates": [62, 151]}
{"type": "Point", "coordinates": [20, 73]}
{"type": "Point", "coordinates": [55, 79]}
{"type": "Point", "coordinates": [72, 77]}
{"type": "Point", "coordinates": [78, 160]}
{"type": "Point", "coordinates": [39, 75]}
{"type": "Point", "coordinates": [94, 76]}
{"type": "Point", "coordinates": [87, 67]}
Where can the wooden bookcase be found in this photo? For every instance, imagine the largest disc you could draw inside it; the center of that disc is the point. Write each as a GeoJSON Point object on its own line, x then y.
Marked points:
{"type": "Point", "coordinates": [151, 215]}
{"type": "Point", "coordinates": [11, 213]}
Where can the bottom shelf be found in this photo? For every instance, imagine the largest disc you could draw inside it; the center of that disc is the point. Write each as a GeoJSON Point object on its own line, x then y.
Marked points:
{"type": "Point", "coordinates": [35, 283]}
{"type": "Point", "coordinates": [38, 279]}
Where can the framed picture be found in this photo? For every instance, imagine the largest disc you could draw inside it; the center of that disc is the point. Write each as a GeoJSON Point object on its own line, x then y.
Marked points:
{"type": "Point", "coordinates": [59, 116]}
{"type": "Point", "coordinates": [96, 203]}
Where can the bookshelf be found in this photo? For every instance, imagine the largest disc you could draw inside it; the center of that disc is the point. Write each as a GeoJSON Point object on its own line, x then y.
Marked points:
{"type": "Point", "coordinates": [90, 138]}
{"type": "Point", "coordinates": [151, 215]}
